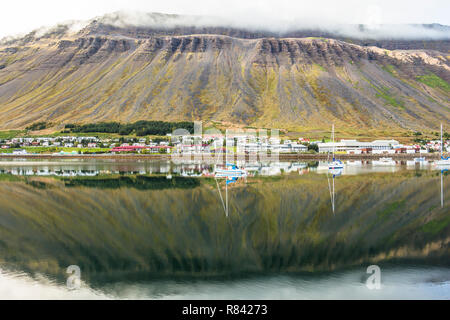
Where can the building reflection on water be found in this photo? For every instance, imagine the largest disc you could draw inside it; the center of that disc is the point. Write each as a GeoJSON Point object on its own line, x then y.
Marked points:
{"type": "Point", "coordinates": [191, 168]}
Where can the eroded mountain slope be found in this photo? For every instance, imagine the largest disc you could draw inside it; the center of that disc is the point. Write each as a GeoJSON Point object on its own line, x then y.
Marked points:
{"type": "Point", "coordinates": [290, 83]}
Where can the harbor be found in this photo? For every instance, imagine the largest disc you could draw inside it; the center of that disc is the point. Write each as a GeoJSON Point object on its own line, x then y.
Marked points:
{"type": "Point", "coordinates": [281, 156]}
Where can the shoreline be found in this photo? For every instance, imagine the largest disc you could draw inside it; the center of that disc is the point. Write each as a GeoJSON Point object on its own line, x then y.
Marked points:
{"type": "Point", "coordinates": [207, 157]}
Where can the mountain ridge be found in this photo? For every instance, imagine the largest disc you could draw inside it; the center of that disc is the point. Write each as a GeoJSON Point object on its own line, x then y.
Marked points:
{"type": "Point", "coordinates": [293, 83]}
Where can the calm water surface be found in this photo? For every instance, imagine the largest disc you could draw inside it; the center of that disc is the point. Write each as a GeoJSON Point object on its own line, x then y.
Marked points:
{"type": "Point", "coordinates": [158, 230]}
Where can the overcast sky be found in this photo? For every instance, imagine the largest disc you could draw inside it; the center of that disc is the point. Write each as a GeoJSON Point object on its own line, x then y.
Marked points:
{"type": "Point", "coordinates": [20, 16]}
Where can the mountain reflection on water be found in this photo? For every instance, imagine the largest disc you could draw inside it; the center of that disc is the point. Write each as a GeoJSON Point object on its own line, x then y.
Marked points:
{"type": "Point", "coordinates": [121, 229]}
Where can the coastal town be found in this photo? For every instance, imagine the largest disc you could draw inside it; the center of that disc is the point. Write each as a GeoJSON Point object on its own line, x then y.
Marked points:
{"type": "Point", "coordinates": [191, 144]}
{"type": "Point", "coordinates": [224, 155]}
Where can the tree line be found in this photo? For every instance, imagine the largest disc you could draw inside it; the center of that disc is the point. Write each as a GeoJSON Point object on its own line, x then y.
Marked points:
{"type": "Point", "coordinates": [38, 126]}
{"type": "Point", "coordinates": [140, 128]}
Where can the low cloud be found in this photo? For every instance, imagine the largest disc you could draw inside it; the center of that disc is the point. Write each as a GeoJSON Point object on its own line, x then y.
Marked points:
{"type": "Point", "coordinates": [368, 22]}
{"type": "Point", "coordinates": [374, 29]}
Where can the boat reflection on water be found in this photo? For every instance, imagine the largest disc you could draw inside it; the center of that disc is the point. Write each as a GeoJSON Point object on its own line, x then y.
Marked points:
{"type": "Point", "coordinates": [384, 162]}
{"type": "Point", "coordinates": [442, 186]}
{"type": "Point", "coordinates": [420, 161]}
{"type": "Point", "coordinates": [331, 186]}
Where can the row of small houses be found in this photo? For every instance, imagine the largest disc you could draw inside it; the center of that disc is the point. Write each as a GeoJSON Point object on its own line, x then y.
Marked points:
{"type": "Point", "coordinates": [377, 147]}
{"type": "Point", "coordinates": [189, 145]}
{"type": "Point", "coordinates": [247, 147]}
{"type": "Point", "coordinates": [204, 148]}
{"type": "Point", "coordinates": [68, 142]}
{"type": "Point", "coordinates": [139, 148]}
{"type": "Point", "coordinates": [54, 144]}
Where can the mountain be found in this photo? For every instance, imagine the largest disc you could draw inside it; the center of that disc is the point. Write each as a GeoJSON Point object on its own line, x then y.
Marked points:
{"type": "Point", "coordinates": [299, 80]}
{"type": "Point", "coordinates": [275, 225]}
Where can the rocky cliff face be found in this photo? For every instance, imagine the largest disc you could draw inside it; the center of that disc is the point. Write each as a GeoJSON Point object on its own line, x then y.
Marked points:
{"type": "Point", "coordinates": [294, 83]}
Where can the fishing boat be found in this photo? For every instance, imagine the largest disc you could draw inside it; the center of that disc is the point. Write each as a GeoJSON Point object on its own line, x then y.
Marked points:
{"type": "Point", "coordinates": [443, 161]}
{"type": "Point", "coordinates": [419, 159]}
{"type": "Point", "coordinates": [335, 164]}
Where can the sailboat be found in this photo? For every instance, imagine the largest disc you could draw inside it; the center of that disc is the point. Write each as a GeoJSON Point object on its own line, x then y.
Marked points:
{"type": "Point", "coordinates": [443, 161]}
{"type": "Point", "coordinates": [231, 173]}
{"type": "Point", "coordinates": [335, 164]}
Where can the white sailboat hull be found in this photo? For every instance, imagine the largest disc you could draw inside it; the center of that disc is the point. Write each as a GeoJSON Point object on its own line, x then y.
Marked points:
{"type": "Point", "coordinates": [232, 173]}
{"type": "Point", "coordinates": [336, 165]}
{"type": "Point", "coordinates": [443, 162]}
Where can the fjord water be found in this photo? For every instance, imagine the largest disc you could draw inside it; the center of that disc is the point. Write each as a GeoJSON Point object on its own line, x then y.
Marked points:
{"type": "Point", "coordinates": [135, 234]}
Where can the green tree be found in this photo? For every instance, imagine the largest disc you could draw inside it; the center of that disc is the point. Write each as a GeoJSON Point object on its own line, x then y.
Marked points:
{"type": "Point", "coordinates": [313, 147]}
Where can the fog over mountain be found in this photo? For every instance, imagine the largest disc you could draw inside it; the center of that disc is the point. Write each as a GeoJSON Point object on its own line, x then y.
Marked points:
{"type": "Point", "coordinates": [255, 27]}
{"type": "Point", "coordinates": [23, 16]}
{"type": "Point", "coordinates": [281, 28]}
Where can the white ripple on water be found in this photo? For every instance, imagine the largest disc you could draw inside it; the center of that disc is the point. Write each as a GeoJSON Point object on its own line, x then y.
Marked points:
{"type": "Point", "coordinates": [15, 285]}
{"type": "Point", "coordinates": [411, 283]}
{"type": "Point", "coordinates": [397, 283]}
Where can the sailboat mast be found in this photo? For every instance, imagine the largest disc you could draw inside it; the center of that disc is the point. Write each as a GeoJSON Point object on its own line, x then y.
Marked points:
{"type": "Point", "coordinates": [226, 197]}
{"type": "Point", "coordinates": [226, 149]}
{"type": "Point", "coordinates": [442, 190]}
{"type": "Point", "coordinates": [332, 138]}
{"type": "Point", "coordinates": [441, 141]}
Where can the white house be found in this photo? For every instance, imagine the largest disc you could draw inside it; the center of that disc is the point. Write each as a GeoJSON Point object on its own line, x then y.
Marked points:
{"type": "Point", "coordinates": [345, 145]}
{"type": "Point", "coordinates": [20, 152]}
{"type": "Point", "coordinates": [298, 147]}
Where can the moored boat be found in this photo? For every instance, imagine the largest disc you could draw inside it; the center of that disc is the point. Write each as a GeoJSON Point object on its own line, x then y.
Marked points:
{"type": "Point", "coordinates": [231, 171]}
{"type": "Point", "coordinates": [335, 164]}
{"type": "Point", "coordinates": [443, 162]}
